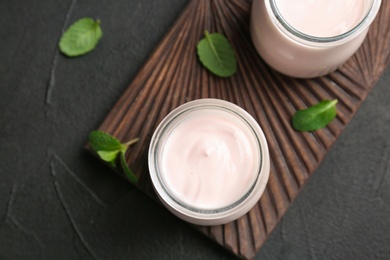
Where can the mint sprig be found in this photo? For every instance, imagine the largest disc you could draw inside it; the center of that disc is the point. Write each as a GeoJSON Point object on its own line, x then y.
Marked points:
{"type": "Point", "coordinates": [81, 37]}
{"type": "Point", "coordinates": [315, 117]}
{"type": "Point", "coordinates": [108, 148]}
{"type": "Point", "coordinates": [126, 169]}
{"type": "Point", "coordinates": [217, 55]}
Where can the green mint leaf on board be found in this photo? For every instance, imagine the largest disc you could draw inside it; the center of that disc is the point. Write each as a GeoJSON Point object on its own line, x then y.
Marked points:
{"type": "Point", "coordinates": [81, 37]}
{"type": "Point", "coordinates": [130, 175]}
{"type": "Point", "coordinates": [315, 117]}
{"type": "Point", "coordinates": [217, 55]}
{"type": "Point", "coordinates": [108, 148]}
{"type": "Point", "coordinates": [108, 156]}
{"type": "Point", "coordinates": [101, 141]}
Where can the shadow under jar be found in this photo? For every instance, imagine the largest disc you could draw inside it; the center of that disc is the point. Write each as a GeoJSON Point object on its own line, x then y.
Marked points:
{"type": "Point", "coordinates": [209, 162]}
{"type": "Point", "coordinates": [310, 38]}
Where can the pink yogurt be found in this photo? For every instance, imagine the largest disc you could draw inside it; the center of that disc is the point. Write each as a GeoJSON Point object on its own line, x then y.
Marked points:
{"type": "Point", "coordinates": [210, 160]}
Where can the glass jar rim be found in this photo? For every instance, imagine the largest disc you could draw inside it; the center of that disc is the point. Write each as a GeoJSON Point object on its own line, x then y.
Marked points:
{"type": "Point", "coordinates": [189, 212]}
{"type": "Point", "coordinates": [307, 39]}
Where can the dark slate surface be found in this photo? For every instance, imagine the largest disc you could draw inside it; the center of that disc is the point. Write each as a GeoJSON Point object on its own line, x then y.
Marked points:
{"type": "Point", "coordinates": [58, 202]}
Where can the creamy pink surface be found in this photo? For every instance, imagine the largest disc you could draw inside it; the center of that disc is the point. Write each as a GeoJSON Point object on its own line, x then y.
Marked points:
{"type": "Point", "coordinates": [210, 160]}
{"type": "Point", "coordinates": [322, 18]}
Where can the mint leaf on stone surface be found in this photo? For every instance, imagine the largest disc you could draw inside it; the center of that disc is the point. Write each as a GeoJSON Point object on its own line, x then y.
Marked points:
{"type": "Point", "coordinates": [217, 55]}
{"type": "Point", "coordinates": [81, 37]}
{"type": "Point", "coordinates": [315, 117]}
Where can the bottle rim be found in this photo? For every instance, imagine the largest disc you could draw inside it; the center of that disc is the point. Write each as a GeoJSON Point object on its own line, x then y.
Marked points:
{"type": "Point", "coordinates": [304, 38]}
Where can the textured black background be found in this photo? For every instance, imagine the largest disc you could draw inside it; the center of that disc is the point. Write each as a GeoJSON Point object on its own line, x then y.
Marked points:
{"type": "Point", "coordinates": [57, 202]}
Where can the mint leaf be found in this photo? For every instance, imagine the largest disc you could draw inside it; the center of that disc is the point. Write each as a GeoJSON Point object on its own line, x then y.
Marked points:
{"type": "Point", "coordinates": [130, 175]}
{"type": "Point", "coordinates": [217, 55]}
{"type": "Point", "coordinates": [315, 117]}
{"type": "Point", "coordinates": [101, 141]}
{"type": "Point", "coordinates": [108, 156]}
{"type": "Point", "coordinates": [108, 148]}
{"type": "Point", "coordinates": [81, 37]}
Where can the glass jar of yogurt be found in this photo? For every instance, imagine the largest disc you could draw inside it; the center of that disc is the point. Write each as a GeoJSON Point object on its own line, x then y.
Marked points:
{"type": "Point", "coordinates": [209, 162]}
{"type": "Point", "coordinates": [310, 38]}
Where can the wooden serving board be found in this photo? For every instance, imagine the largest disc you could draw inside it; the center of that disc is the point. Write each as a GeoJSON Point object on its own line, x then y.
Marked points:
{"type": "Point", "coordinates": [173, 76]}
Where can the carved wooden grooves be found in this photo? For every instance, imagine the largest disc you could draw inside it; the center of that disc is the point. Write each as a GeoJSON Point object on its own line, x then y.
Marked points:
{"type": "Point", "coordinates": [173, 76]}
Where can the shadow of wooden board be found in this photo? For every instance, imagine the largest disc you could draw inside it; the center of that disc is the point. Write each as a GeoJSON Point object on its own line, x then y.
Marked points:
{"type": "Point", "coordinates": [173, 75]}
